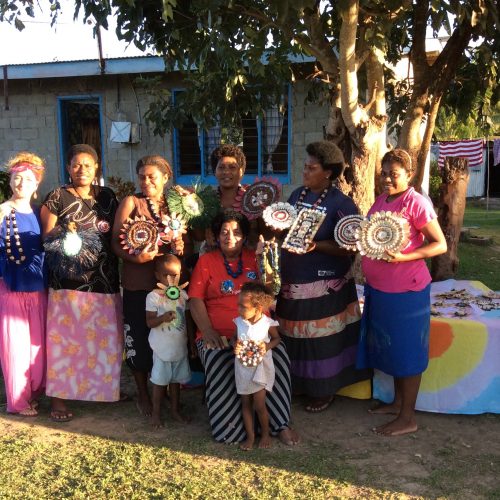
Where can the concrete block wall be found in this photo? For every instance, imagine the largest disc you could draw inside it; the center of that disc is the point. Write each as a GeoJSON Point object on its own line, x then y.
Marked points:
{"type": "Point", "coordinates": [31, 123]}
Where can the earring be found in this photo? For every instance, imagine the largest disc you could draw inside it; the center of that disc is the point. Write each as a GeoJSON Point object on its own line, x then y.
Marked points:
{"type": "Point", "coordinates": [35, 195]}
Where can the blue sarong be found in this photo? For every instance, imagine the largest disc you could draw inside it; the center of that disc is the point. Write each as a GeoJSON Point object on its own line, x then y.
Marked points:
{"type": "Point", "coordinates": [395, 332]}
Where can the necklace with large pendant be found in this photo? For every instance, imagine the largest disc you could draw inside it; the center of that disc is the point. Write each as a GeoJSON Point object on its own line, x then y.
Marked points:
{"type": "Point", "coordinates": [10, 220]}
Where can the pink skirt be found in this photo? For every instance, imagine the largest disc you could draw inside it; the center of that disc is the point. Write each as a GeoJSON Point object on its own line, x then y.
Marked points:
{"type": "Point", "coordinates": [84, 345]}
{"type": "Point", "coordinates": [22, 346]}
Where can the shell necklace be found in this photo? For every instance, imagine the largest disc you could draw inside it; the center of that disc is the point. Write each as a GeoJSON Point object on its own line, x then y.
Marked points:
{"type": "Point", "coordinates": [155, 214]}
{"type": "Point", "coordinates": [317, 203]}
{"type": "Point", "coordinates": [10, 220]}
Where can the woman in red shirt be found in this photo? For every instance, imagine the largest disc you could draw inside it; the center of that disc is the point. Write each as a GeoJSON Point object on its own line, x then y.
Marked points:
{"type": "Point", "coordinates": [215, 285]}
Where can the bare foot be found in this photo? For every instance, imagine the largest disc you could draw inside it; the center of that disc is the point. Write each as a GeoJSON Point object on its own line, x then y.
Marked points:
{"type": "Point", "coordinates": [386, 409]}
{"type": "Point", "coordinates": [144, 406]}
{"type": "Point", "coordinates": [397, 427]}
{"type": "Point", "coordinates": [247, 445]}
{"type": "Point", "coordinates": [289, 437]}
{"type": "Point", "coordinates": [265, 442]}
{"type": "Point", "coordinates": [178, 417]}
{"type": "Point", "coordinates": [156, 422]}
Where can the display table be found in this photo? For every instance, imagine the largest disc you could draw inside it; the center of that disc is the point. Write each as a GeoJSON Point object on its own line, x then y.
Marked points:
{"type": "Point", "coordinates": [463, 375]}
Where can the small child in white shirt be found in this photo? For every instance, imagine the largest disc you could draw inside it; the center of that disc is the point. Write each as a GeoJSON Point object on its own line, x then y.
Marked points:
{"type": "Point", "coordinates": [165, 315]}
{"type": "Point", "coordinates": [252, 382]}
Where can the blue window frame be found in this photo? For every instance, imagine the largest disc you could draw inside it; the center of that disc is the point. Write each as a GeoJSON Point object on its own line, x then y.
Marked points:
{"type": "Point", "coordinates": [79, 117]}
{"type": "Point", "coordinates": [266, 144]}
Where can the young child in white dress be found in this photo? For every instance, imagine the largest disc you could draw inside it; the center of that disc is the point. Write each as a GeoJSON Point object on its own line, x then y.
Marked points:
{"type": "Point", "coordinates": [165, 315]}
{"type": "Point", "coordinates": [252, 382]}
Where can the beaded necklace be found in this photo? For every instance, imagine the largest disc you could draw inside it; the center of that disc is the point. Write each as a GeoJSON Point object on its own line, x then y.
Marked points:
{"type": "Point", "coordinates": [239, 269]}
{"type": "Point", "coordinates": [11, 220]}
{"type": "Point", "coordinates": [317, 203]}
{"type": "Point", "coordinates": [269, 260]}
{"type": "Point", "coordinates": [154, 213]}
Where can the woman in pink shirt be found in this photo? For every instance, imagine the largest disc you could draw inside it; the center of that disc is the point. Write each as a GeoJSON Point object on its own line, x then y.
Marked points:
{"type": "Point", "coordinates": [396, 316]}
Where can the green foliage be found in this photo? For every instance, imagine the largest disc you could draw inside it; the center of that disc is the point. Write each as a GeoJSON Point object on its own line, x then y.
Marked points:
{"type": "Point", "coordinates": [120, 187]}
{"type": "Point", "coordinates": [434, 181]}
{"type": "Point", "coordinates": [4, 186]}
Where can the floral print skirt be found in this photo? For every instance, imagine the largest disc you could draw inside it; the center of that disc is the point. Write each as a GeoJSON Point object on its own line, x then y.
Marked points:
{"type": "Point", "coordinates": [84, 345]}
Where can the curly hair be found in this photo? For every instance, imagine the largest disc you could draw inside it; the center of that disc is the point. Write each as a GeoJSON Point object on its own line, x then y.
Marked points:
{"type": "Point", "coordinates": [228, 150]}
{"type": "Point", "coordinates": [77, 149]}
{"type": "Point", "coordinates": [157, 161]}
{"type": "Point", "coordinates": [229, 216]}
{"type": "Point", "coordinates": [329, 156]}
{"type": "Point", "coordinates": [37, 163]}
{"type": "Point", "coordinates": [259, 294]}
{"type": "Point", "coordinates": [399, 156]}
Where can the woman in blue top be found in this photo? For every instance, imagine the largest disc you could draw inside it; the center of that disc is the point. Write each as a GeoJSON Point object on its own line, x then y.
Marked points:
{"type": "Point", "coordinates": [23, 300]}
{"type": "Point", "coordinates": [318, 308]}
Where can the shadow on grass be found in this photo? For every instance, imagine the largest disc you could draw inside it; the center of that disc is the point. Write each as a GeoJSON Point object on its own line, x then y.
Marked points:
{"type": "Point", "coordinates": [110, 451]}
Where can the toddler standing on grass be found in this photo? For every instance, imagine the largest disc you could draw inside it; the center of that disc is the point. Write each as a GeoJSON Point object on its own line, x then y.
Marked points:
{"type": "Point", "coordinates": [252, 382]}
{"type": "Point", "coordinates": [165, 315]}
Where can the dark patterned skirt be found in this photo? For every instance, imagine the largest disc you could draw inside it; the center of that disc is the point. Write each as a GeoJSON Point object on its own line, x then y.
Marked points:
{"type": "Point", "coordinates": [224, 403]}
{"type": "Point", "coordinates": [319, 324]}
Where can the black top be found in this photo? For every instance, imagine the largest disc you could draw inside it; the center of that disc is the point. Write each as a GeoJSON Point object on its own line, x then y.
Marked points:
{"type": "Point", "coordinates": [96, 213]}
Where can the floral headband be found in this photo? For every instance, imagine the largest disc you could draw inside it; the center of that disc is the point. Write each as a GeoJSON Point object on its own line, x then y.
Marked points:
{"type": "Point", "coordinates": [23, 166]}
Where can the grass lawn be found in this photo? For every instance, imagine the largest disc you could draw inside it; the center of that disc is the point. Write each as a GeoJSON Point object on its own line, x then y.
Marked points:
{"type": "Point", "coordinates": [481, 263]}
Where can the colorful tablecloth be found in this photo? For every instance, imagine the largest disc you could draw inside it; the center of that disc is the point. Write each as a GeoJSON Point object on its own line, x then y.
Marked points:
{"type": "Point", "coordinates": [463, 375]}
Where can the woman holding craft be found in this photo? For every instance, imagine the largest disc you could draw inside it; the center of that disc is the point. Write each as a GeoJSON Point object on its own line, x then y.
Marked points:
{"type": "Point", "coordinates": [396, 316]}
{"type": "Point", "coordinates": [215, 285]}
{"type": "Point", "coordinates": [317, 307]}
{"type": "Point", "coordinates": [138, 277]}
{"type": "Point", "coordinates": [23, 297]}
{"type": "Point", "coordinates": [84, 318]}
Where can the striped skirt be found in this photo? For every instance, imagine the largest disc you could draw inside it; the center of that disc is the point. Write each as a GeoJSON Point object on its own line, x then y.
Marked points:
{"type": "Point", "coordinates": [224, 403]}
{"type": "Point", "coordinates": [395, 332]}
{"type": "Point", "coordinates": [319, 324]}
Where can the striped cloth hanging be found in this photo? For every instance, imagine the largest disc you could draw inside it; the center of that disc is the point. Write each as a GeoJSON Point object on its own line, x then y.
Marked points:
{"type": "Point", "coordinates": [470, 149]}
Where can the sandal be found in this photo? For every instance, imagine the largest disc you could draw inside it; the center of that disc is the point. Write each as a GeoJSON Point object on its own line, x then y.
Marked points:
{"type": "Point", "coordinates": [320, 404]}
{"type": "Point", "coordinates": [61, 416]}
{"type": "Point", "coordinates": [28, 412]}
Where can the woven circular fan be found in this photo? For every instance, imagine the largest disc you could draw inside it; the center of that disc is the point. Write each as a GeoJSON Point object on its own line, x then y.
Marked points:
{"type": "Point", "coordinates": [137, 234]}
{"type": "Point", "coordinates": [346, 230]}
{"type": "Point", "coordinates": [259, 195]}
{"type": "Point", "coordinates": [279, 215]}
{"type": "Point", "coordinates": [382, 232]}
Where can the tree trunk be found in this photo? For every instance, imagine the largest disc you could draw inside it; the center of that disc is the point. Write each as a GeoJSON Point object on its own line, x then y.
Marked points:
{"type": "Point", "coordinates": [451, 208]}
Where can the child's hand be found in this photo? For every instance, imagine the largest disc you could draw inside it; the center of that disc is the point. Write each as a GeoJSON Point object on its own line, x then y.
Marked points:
{"type": "Point", "coordinates": [168, 316]}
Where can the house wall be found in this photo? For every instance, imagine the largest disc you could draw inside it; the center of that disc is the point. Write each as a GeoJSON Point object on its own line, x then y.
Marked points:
{"type": "Point", "coordinates": [31, 123]}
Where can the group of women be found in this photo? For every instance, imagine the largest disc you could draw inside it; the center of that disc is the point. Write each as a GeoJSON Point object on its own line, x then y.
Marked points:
{"type": "Point", "coordinates": [317, 308]}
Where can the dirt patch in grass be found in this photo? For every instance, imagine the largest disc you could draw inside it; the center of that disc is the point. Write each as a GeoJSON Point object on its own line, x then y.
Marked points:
{"type": "Point", "coordinates": [451, 456]}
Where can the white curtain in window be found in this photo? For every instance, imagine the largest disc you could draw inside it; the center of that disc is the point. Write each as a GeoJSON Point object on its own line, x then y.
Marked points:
{"type": "Point", "coordinates": [273, 124]}
{"type": "Point", "coordinates": [213, 138]}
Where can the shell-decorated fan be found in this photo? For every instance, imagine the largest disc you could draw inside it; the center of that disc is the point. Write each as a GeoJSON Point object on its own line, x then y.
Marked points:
{"type": "Point", "coordinates": [173, 227]}
{"type": "Point", "coordinates": [382, 232]}
{"type": "Point", "coordinates": [249, 352]}
{"type": "Point", "coordinates": [347, 230]}
{"type": "Point", "coordinates": [138, 233]}
{"type": "Point", "coordinates": [197, 205]}
{"type": "Point", "coordinates": [259, 195]}
{"type": "Point", "coordinates": [279, 215]}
